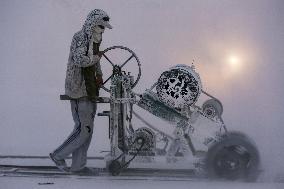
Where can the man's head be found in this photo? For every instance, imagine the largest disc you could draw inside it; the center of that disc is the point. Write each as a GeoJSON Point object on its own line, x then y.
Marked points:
{"type": "Point", "coordinates": [97, 20]}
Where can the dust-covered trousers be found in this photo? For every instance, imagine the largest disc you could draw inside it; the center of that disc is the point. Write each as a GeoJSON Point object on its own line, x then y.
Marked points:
{"type": "Point", "coordinates": [77, 144]}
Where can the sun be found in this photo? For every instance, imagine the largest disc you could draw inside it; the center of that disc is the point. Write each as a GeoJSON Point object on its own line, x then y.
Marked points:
{"type": "Point", "coordinates": [234, 62]}
{"type": "Point", "coordinates": [233, 59]}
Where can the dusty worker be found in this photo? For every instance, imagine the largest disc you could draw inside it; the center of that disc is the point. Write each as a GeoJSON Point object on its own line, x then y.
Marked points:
{"type": "Point", "coordinates": [82, 83]}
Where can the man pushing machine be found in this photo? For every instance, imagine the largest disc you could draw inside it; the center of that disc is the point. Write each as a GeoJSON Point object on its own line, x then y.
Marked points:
{"type": "Point", "coordinates": [82, 83]}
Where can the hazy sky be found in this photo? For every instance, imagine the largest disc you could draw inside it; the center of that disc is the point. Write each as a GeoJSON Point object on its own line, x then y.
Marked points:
{"type": "Point", "coordinates": [35, 37]}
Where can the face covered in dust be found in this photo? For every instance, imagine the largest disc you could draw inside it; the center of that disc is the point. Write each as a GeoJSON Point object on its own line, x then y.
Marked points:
{"type": "Point", "coordinates": [97, 32]}
{"type": "Point", "coordinates": [98, 29]}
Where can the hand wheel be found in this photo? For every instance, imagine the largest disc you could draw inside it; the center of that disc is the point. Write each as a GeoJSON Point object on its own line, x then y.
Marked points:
{"type": "Point", "coordinates": [117, 68]}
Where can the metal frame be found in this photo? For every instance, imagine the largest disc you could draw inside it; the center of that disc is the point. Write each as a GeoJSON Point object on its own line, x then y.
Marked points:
{"type": "Point", "coordinates": [179, 148]}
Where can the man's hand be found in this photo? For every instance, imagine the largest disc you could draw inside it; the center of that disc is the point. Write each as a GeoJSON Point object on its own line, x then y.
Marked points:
{"type": "Point", "coordinates": [96, 58]}
{"type": "Point", "coordinates": [100, 53]}
{"type": "Point", "coordinates": [99, 81]}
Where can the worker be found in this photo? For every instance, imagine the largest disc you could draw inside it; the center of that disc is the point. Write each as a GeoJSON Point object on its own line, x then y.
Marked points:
{"type": "Point", "coordinates": [82, 83]}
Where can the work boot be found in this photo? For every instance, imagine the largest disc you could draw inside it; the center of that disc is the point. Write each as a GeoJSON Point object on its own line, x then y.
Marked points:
{"type": "Point", "coordinates": [60, 164]}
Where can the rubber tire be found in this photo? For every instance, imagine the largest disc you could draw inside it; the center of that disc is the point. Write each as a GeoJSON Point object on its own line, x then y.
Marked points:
{"type": "Point", "coordinates": [248, 162]}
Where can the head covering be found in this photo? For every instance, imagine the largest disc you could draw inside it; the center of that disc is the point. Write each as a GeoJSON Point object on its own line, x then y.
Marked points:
{"type": "Point", "coordinates": [95, 18]}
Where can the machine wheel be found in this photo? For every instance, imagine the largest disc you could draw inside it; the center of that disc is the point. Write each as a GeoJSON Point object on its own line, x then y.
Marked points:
{"type": "Point", "coordinates": [233, 157]}
{"type": "Point", "coordinates": [212, 108]}
{"type": "Point", "coordinates": [114, 168]}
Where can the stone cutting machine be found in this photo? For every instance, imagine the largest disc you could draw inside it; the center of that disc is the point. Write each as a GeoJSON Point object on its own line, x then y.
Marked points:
{"type": "Point", "coordinates": [199, 139]}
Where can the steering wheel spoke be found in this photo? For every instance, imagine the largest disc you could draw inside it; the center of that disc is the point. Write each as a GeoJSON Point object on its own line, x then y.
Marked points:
{"type": "Point", "coordinates": [107, 79]}
{"type": "Point", "coordinates": [127, 61]}
{"type": "Point", "coordinates": [108, 59]}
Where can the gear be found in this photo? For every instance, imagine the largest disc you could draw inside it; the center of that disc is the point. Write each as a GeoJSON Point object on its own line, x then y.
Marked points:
{"type": "Point", "coordinates": [146, 136]}
{"type": "Point", "coordinates": [212, 108]}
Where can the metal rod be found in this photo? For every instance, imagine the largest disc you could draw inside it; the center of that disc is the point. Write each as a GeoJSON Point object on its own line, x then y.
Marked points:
{"type": "Point", "coordinates": [209, 95]}
{"type": "Point", "coordinates": [36, 157]}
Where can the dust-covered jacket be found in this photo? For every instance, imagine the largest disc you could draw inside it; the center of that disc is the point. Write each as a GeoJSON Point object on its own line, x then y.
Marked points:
{"type": "Point", "coordinates": [79, 58]}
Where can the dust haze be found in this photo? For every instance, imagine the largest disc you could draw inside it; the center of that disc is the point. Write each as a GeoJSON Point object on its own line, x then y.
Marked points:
{"type": "Point", "coordinates": [35, 37]}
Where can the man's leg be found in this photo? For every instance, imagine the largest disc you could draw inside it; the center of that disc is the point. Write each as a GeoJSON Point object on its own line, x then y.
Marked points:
{"type": "Point", "coordinates": [79, 156]}
{"type": "Point", "coordinates": [58, 153]}
{"type": "Point", "coordinates": [83, 112]}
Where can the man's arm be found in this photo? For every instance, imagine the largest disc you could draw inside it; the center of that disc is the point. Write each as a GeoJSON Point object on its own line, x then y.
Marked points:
{"type": "Point", "coordinates": [99, 75]}
{"type": "Point", "coordinates": [98, 70]}
{"type": "Point", "coordinates": [80, 57]}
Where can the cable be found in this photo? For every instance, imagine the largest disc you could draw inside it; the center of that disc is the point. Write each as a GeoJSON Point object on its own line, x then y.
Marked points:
{"type": "Point", "coordinates": [129, 161]}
